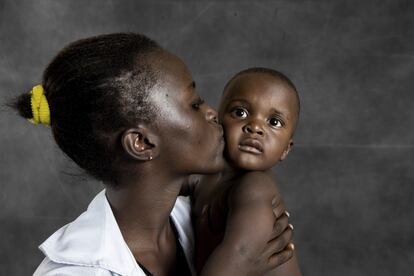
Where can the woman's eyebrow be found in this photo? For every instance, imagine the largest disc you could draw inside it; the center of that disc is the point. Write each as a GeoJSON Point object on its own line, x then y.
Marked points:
{"type": "Point", "coordinates": [191, 87]}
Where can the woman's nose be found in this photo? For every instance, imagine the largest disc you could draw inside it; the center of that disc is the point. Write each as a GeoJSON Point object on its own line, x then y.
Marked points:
{"type": "Point", "coordinates": [253, 127]}
{"type": "Point", "coordinates": [211, 115]}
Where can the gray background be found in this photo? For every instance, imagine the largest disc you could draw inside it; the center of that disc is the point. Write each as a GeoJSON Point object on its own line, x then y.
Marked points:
{"type": "Point", "coordinates": [349, 181]}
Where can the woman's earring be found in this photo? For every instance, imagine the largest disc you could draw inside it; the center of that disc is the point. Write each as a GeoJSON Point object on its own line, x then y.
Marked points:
{"type": "Point", "coordinates": [150, 158]}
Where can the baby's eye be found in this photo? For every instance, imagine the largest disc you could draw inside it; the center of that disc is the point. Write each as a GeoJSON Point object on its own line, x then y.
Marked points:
{"type": "Point", "coordinates": [275, 122]}
{"type": "Point", "coordinates": [197, 103]}
{"type": "Point", "coordinates": [239, 112]}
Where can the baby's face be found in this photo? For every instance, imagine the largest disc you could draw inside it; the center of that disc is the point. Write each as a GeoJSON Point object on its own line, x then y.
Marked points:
{"type": "Point", "coordinates": [259, 115]}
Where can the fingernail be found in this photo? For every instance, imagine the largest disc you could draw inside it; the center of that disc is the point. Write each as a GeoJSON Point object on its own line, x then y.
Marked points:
{"type": "Point", "coordinates": [292, 246]}
{"type": "Point", "coordinates": [290, 226]}
{"type": "Point", "coordinates": [287, 214]}
{"type": "Point", "coordinates": [273, 201]}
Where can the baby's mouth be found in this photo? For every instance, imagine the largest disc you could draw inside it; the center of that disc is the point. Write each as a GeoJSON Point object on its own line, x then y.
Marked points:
{"type": "Point", "coordinates": [251, 145]}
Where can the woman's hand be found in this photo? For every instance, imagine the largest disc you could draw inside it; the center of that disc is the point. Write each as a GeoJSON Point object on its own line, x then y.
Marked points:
{"type": "Point", "coordinates": [277, 251]}
{"type": "Point", "coordinates": [280, 248]}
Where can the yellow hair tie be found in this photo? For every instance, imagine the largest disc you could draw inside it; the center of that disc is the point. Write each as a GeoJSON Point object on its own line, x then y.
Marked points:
{"type": "Point", "coordinates": [40, 106]}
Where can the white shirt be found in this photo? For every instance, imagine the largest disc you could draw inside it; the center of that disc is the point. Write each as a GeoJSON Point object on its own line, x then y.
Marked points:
{"type": "Point", "coordinates": [93, 244]}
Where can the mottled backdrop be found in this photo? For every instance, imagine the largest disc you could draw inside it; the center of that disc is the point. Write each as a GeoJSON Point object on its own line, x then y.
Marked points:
{"type": "Point", "coordinates": [349, 181]}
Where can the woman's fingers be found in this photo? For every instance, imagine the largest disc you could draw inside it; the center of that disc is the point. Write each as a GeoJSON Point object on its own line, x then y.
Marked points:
{"type": "Point", "coordinates": [280, 258]}
{"type": "Point", "coordinates": [278, 207]}
{"type": "Point", "coordinates": [279, 226]}
{"type": "Point", "coordinates": [280, 247]}
{"type": "Point", "coordinates": [279, 243]}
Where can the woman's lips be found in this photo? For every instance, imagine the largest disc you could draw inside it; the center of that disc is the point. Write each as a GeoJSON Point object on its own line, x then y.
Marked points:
{"type": "Point", "coordinates": [251, 146]}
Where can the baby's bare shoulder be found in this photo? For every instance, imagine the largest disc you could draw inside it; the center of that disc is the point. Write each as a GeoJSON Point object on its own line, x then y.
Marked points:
{"type": "Point", "coordinates": [254, 186]}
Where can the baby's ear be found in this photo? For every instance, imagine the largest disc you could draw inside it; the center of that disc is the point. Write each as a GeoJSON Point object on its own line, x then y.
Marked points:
{"type": "Point", "coordinates": [140, 143]}
{"type": "Point", "coordinates": [287, 150]}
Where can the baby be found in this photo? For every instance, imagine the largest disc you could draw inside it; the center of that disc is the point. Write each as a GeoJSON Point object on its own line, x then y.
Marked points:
{"type": "Point", "coordinates": [259, 111]}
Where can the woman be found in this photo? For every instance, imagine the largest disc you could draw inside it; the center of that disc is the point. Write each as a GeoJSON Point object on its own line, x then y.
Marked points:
{"type": "Point", "coordinates": [126, 111]}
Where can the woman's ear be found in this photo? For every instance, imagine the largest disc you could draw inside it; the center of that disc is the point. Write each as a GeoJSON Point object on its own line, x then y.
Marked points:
{"type": "Point", "coordinates": [287, 150]}
{"type": "Point", "coordinates": [140, 143]}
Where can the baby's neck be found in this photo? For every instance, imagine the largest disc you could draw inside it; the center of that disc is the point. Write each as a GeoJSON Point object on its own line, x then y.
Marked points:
{"type": "Point", "coordinates": [230, 172]}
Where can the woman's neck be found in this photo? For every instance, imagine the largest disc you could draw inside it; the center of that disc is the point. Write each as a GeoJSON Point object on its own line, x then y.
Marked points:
{"type": "Point", "coordinates": [142, 205]}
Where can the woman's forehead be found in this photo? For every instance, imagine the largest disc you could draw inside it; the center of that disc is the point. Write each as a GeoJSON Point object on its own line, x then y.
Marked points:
{"type": "Point", "coordinates": [169, 66]}
{"type": "Point", "coordinates": [173, 76]}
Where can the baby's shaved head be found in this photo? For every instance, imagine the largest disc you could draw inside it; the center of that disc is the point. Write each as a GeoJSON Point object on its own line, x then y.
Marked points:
{"type": "Point", "coordinates": [270, 72]}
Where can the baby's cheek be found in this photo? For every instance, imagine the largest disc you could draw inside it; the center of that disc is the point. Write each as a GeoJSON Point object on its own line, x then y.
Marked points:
{"type": "Point", "coordinates": [274, 155]}
{"type": "Point", "coordinates": [231, 143]}
{"type": "Point", "coordinates": [230, 130]}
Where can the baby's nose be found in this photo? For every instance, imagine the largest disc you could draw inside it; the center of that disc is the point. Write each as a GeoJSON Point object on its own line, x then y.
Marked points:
{"type": "Point", "coordinates": [253, 128]}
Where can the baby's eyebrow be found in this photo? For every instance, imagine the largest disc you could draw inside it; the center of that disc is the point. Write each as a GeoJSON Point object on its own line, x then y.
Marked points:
{"type": "Point", "coordinates": [232, 102]}
{"type": "Point", "coordinates": [279, 113]}
{"type": "Point", "coordinates": [274, 110]}
{"type": "Point", "coordinates": [239, 100]}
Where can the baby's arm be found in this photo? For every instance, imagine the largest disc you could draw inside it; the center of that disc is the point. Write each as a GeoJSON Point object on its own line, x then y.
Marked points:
{"type": "Point", "coordinates": [249, 226]}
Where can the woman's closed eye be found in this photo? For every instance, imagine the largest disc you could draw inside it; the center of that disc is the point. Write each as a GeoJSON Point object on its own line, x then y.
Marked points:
{"type": "Point", "coordinates": [197, 103]}
{"type": "Point", "coordinates": [239, 112]}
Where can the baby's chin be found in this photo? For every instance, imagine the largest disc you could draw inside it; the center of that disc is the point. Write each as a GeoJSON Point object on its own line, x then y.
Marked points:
{"type": "Point", "coordinates": [248, 163]}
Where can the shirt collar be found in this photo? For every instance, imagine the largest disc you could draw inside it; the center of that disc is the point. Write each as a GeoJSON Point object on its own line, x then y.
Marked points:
{"type": "Point", "coordinates": [93, 239]}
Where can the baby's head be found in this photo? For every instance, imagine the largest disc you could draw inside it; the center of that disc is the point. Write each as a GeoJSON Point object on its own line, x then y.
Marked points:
{"type": "Point", "coordinates": [259, 111]}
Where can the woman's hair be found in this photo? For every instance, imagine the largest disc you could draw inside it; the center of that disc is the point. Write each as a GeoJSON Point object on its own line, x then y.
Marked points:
{"type": "Point", "coordinates": [96, 88]}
